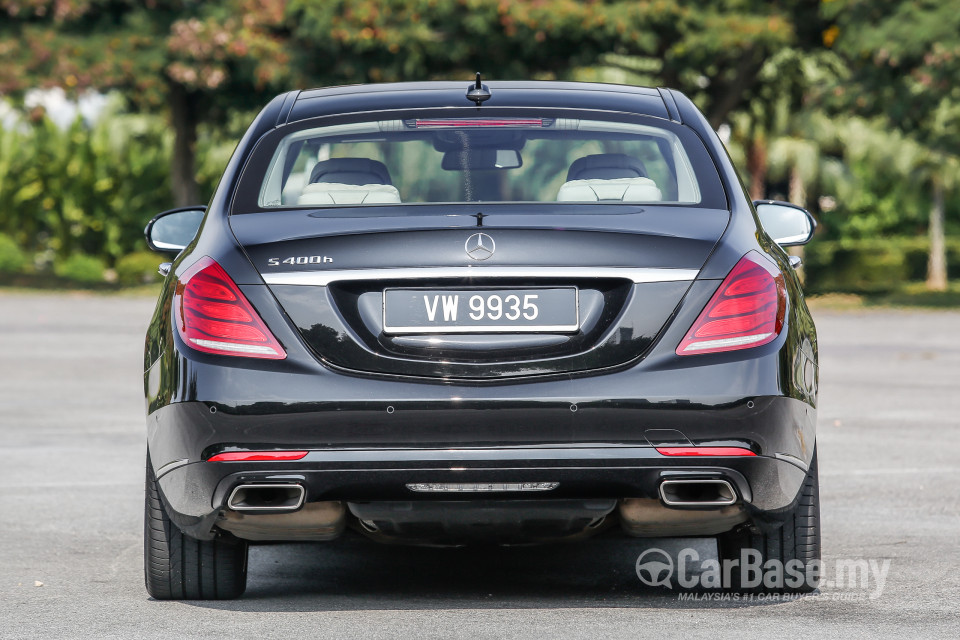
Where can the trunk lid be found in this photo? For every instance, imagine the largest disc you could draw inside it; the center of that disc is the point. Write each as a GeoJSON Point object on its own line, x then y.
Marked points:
{"type": "Point", "coordinates": [629, 268]}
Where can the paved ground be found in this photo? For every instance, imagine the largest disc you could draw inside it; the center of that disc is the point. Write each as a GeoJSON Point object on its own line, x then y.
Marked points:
{"type": "Point", "coordinates": [71, 468]}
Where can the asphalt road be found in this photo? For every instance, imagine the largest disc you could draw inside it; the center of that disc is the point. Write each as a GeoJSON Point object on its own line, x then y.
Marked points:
{"type": "Point", "coordinates": [71, 469]}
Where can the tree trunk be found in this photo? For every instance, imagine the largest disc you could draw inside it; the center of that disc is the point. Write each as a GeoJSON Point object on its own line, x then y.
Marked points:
{"type": "Point", "coordinates": [757, 167]}
{"type": "Point", "coordinates": [937, 267]}
{"type": "Point", "coordinates": [798, 191]}
{"type": "Point", "coordinates": [798, 196]}
{"type": "Point", "coordinates": [727, 96]}
{"type": "Point", "coordinates": [183, 175]}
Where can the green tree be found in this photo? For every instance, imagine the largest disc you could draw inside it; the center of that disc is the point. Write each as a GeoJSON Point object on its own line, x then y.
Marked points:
{"type": "Point", "coordinates": [713, 49]}
{"type": "Point", "coordinates": [193, 61]}
{"type": "Point", "coordinates": [197, 61]}
{"type": "Point", "coordinates": [91, 189]}
{"type": "Point", "coordinates": [905, 63]}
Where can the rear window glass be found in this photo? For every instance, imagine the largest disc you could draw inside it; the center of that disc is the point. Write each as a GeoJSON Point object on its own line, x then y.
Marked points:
{"type": "Point", "coordinates": [483, 160]}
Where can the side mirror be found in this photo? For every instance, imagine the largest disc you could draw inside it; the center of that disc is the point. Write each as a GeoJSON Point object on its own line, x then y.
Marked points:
{"type": "Point", "coordinates": [171, 231]}
{"type": "Point", "coordinates": [788, 224]}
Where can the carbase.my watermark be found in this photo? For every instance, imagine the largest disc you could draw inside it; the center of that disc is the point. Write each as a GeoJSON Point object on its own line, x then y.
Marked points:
{"type": "Point", "coordinates": [861, 577]}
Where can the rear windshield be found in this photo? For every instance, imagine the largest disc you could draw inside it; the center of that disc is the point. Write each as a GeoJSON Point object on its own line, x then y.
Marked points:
{"type": "Point", "coordinates": [483, 160]}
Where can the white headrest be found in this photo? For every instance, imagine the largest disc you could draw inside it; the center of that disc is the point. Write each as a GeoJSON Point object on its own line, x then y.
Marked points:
{"type": "Point", "coordinates": [337, 193]}
{"type": "Point", "coordinates": [615, 189]}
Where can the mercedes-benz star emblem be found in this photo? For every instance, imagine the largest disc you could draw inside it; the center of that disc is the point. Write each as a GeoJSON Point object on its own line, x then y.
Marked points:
{"type": "Point", "coordinates": [480, 246]}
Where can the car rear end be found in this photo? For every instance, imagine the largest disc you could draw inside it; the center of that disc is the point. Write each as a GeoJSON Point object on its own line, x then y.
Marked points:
{"type": "Point", "coordinates": [390, 324]}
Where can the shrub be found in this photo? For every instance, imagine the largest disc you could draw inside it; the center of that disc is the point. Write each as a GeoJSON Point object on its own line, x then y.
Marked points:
{"type": "Point", "coordinates": [139, 267]}
{"type": "Point", "coordinates": [873, 265]}
{"type": "Point", "coordinates": [81, 268]}
{"type": "Point", "coordinates": [12, 259]}
{"type": "Point", "coordinates": [91, 189]}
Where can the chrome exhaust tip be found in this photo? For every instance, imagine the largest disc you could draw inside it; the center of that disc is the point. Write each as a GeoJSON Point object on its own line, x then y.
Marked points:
{"type": "Point", "coordinates": [266, 497]}
{"type": "Point", "coordinates": [697, 493]}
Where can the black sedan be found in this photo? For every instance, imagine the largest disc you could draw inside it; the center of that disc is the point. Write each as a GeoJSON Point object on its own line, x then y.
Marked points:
{"type": "Point", "coordinates": [459, 313]}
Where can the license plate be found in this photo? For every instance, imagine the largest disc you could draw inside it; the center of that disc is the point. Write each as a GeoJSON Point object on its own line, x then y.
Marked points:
{"type": "Point", "coordinates": [480, 310]}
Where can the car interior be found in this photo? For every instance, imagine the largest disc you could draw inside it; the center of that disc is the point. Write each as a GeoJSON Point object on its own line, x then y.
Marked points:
{"type": "Point", "coordinates": [608, 176]}
{"type": "Point", "coordinates": [601, 177]}
{"type": "Point", "coordinates": [349, 181]}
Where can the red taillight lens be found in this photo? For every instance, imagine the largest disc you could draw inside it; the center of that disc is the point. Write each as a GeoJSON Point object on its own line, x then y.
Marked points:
{"type": "Point", "coordinates": [746, 311]}
{"type": "Point", "coordinates": [213, 316]}
{"type": "Point", "coordinates": [704, 451]}
{"type": "Point", "coordinates": [465, 123]}
{"type": "Point", "coordinates": [257, 456]}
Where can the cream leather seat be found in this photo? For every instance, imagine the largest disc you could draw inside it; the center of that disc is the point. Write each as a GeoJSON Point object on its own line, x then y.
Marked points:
{"type": "Point", "coordinates": [349, 181]}
{"type": "Point", "coordinates": [608, 177]}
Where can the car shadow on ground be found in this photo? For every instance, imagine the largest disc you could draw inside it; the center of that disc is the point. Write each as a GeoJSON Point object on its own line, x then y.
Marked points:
{"type": "Point", "coordinates": [353, 573]}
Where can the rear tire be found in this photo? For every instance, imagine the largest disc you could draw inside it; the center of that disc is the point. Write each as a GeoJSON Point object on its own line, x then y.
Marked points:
{"type": "Point", "coordinates": [796, 543]}
{"type": "Point", "coordinates": [178, 567]}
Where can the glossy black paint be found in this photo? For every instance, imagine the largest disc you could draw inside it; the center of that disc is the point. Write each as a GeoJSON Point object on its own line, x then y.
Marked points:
{"type": "Point", "coordinates": [392, 237]}
{"type": "Point", "coordinates": [343, 339]}
{"type": "Point", "coordinates": [376, 413]}
{"type": "Point", "coordinates": [431, 95]}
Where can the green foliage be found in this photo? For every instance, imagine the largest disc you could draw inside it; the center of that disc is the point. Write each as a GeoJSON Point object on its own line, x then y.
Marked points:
{"type": "Point", "coordinates": [82, 190]}
{"type": "Point", "coordinates": [886, 71]}
{"type": "Point", "coordinates": [712, 49]}
{"type": "Point", "coordinates": [880, 191]}
{"type": "Point", "coordinates": [139, 267]}
{"type": "Point", "coordinates": [92, 190]}
{"type": "Point", "coordinates": [222, 53]}
{"type": "Point", "coordinates": [81, 268]}
{"type": "Point", "coordinates": [874, 265]}
{"type": "Point", "coordinates": [907, 67]}
{"type": "Point", "coordinates": [12, 259]}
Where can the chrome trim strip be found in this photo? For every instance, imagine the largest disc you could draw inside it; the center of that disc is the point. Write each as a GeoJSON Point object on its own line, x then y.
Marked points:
{"type": "Point", "coordinates": [160, 244]}
{"type": "Point", "coordinates": [514, 456]}
{"type": "Point", "coordinates": [323, 278]}
{"type": "Point", "coordinates": [800, 237]}
{"type": "Point", "coordinates": [170, 466]}
{"type": "Point", "coordinates": [713, 503]}
{"type": "Point", "coordinates": [480, 487]}
{"type": "Point", "coordinates": [795, 461]}
{"type": "Point", "coordinates": [453, 329]}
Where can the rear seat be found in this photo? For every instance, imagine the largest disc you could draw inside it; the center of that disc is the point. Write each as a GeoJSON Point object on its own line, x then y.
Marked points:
{"type": "Point", "coordinates": [338, 193]}
{"type": "Point", "coordinates": [349, 181]}
{"type": "Point", "coordinates": [608, 177]}
{"type": "Point", "coordinates": [616, 189]}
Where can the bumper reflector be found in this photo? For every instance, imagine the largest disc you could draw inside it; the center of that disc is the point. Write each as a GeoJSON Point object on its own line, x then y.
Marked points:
{"type": "Point", "coordinates": [704, 451]}
{"type": "Point", "coordinates": [254, 456]}
{"type": "Point", "coordinates": [458, 487]}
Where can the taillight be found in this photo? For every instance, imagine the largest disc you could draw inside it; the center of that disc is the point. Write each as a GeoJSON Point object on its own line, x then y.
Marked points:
{"type": "Point", "coordinates": [746, 311]}
{"type": "Point", "coordinates": [704, 451]}
{"type": "Point", "coordinates": [464, 123]}
{"type": "Point", "coordinates": [213, 316]}
{"type": "Point", "coordinates": [258, 456]}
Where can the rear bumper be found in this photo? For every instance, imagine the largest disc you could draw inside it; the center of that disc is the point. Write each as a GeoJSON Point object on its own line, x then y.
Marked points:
{"type": "Point", "coordinates": [195, 492]}
{"type": "Point", "coordinates": [198, 406]}
{"type": "Point", "coordinates": [368, 437]}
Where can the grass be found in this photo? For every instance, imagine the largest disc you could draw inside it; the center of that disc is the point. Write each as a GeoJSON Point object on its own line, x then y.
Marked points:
{"type": "Point", "coordinates": [51, 283]}
{"type": "Point", "coordinates": [910, 295]}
